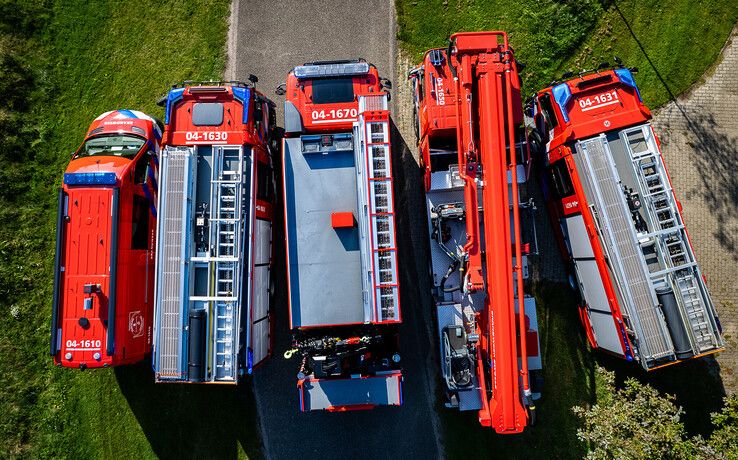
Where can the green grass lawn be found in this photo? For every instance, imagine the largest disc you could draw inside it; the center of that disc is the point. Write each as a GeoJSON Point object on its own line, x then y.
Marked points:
{"type": "Point", "coordinates": [681, 38]}
{"type": "Point", "coordinates": [66, 63]}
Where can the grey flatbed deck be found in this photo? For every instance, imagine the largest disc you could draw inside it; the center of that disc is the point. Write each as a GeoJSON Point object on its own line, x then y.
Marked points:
{"type": "Point", "coordinates": [324, 264]}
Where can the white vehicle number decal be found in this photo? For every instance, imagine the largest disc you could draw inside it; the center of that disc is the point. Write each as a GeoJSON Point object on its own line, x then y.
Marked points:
{"type": "Point", "coordinates": [83, 345]}
{"type": "Point", "coordinates": [334, 115]}
{"type": "Point", "coordinates": [440, 95]}
{"type": "Point", "coordinates": [600, 100]}
{"type": "Point", "coordinates": [214, 136]}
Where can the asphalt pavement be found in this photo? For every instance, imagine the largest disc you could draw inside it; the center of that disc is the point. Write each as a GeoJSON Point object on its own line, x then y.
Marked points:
{"type": "Point", "coordinates": [267, 39]}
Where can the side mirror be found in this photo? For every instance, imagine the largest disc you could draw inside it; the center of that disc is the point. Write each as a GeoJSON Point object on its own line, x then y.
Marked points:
{"type": "Point", "coordinates": [281, 90]}
{"type": "Point", "coordinates": [634, 69]}
{"type": "Point", "coordinates": [253, 78]}
{"type": "Point", "coordinates": [162, 100]}
{"type": "Point", "coordinates": [603, 65]}
{"type": "Point", "coordinates": [386, 83]}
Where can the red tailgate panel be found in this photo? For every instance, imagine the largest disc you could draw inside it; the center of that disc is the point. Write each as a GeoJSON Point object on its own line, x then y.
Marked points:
{"type": "Point", "coordinates": [86, 262]}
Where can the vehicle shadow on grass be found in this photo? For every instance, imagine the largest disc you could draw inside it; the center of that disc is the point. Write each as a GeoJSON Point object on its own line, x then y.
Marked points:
{"type": "Point", "coordinates": [196, 421]}
{"type": "Point", "coordinates": [569, 380]}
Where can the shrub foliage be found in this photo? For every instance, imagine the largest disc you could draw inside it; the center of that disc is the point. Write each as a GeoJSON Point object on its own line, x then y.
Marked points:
{"type": "Point", "coordinates": [637, 422]}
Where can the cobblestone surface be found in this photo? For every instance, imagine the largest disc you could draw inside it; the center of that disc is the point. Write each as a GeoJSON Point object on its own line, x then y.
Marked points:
{"type": "Point", "coordinates": [699, 140]}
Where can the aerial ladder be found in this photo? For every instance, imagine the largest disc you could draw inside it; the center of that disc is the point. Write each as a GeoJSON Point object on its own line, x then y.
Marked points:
{"type": "Point", "coordinates": [474, 151]}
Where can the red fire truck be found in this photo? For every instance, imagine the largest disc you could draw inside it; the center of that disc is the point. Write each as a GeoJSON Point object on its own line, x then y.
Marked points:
{"type": "Point", "coordinates": [213, 261]}
{"type": "Point", "coordinates": [344, 305]}
{"type": "Point", "coordinates": [104, 265]}
{"type": "Point", "coordinates": [474, 151]}
{"type": "Point", "coordinates": [620, 227]}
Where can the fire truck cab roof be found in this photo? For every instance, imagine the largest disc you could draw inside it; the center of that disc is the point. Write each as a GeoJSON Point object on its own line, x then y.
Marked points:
{"type": "Point", "coordinates": [579, 107]}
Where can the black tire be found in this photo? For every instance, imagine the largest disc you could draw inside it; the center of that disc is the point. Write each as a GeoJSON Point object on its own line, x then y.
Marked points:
{"type": "Point", "coordinates": [275, 142]}
{"type": "Point", "coordinates": [536, 143]}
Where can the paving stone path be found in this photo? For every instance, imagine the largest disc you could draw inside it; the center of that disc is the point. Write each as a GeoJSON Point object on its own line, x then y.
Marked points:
{"type": "Point", "coordinates": [699, 140]}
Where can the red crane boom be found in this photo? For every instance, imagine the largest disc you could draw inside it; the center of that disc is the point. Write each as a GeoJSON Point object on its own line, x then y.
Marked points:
{"type": "Point", "coordinates": [478, 76]}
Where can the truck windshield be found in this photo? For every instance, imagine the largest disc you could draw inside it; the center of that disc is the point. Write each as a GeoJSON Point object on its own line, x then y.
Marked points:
{"type": "Point", "coordinates": [333, 90]}
{"type": "Point", "coordinates": [112, 145]}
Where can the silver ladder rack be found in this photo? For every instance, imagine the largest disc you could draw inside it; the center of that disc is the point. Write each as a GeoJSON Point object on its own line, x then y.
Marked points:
{"type": "Point", "coordinates": [602, 188]}
{"type": "Point", "coordinates": [671, 235]}
{"type": "Point", "coordinates": [171, 259]}
{"type": "Point", "coordinates": [374, 149]}
{"type": "Point", "coordinates": [226, 195]}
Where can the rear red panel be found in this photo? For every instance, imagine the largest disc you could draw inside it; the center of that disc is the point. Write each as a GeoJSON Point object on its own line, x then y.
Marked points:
{"type": "Point", "coordinates": [86, 260]}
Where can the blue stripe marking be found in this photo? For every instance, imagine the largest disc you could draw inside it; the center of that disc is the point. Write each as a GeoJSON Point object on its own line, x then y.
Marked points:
{"type": "Point", "coordinates": [147, 193]}
{"type": "Point", "coordinates": [628, 353]}
{"type": "Point", "coordinates": [152, 178]}
{"type": "Point", "coordinates": [127, 113]}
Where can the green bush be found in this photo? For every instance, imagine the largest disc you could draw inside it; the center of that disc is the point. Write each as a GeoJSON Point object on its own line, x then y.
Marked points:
{"type": "Point", "coordinates": [637, 422]}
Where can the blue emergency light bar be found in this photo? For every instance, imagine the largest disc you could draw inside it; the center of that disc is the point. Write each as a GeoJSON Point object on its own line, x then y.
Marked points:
{"type": "Point", "coordinates": [626, 76]}
{"type": "Point", "coordinates": [331, 70]}
{"type": "Point", "coordinates": [90, 178]}
{"type": "Point", "coordinates": [562, 95]}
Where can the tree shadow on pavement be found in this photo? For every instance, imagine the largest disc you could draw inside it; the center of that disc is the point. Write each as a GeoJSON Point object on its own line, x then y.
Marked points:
{"type": "Point", "coordinates": [195, 421]}
{"type": "Point", "coordinates": [715, 161]}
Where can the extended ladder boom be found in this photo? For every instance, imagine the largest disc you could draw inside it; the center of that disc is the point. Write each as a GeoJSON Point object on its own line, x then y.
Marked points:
{"type": "Point", "coordinates": [486, 79]}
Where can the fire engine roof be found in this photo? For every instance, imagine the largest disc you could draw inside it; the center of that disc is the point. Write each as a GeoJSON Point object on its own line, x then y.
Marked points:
{"type": "Point", "coordinates": [324, 262]}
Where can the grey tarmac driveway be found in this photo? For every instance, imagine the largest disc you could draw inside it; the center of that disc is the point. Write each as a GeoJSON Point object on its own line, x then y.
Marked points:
{"type": "Point", "coordinates": [267, 39]}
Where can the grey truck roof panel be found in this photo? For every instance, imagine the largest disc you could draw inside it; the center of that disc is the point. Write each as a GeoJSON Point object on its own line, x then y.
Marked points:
{"type": "Point", "coordinates": [324, 263]}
